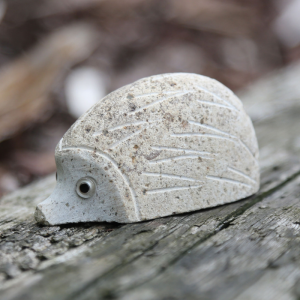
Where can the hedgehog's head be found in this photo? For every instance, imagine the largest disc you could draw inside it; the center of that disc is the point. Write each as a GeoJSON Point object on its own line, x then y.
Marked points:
{"type": "Point", "coordinates": [88, 189]}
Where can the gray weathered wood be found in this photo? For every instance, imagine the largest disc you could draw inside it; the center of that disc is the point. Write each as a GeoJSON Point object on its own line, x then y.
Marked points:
{"type": "Point", "coordinates": [244, 250]}
{"type": "Point", "coordinates": [275, 93]}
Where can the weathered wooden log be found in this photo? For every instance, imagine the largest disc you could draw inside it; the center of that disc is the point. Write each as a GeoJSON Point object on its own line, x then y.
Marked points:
{"type": "Point", "coordinates": [244, 250]}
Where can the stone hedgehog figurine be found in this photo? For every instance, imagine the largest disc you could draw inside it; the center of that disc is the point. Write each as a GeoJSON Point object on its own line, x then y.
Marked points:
{"type": "Point", "coordinates": [163, 145]}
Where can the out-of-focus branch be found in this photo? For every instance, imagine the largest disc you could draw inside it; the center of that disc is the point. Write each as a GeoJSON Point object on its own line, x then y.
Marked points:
{"type": "Point", "coordinates": [25, 83]}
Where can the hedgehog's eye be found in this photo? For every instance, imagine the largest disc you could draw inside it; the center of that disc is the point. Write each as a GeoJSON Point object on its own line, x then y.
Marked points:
{"type": "Point", "coordinates": [85, 187]}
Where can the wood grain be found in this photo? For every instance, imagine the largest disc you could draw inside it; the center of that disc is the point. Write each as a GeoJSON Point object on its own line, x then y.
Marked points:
{"type": "Point", "coordinates": [244, 250]}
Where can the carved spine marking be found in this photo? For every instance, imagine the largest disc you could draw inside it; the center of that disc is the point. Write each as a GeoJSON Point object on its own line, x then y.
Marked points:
{"type": "Point", "coordinates": [231, 139]}
{"type": "Point", "coordinates": [180, 149]}
{"type": "Point", "coordinates": [217, 97]}
{"type": "Point", "coordinates": [241, 174]}
{"type": "Point", "coordinates": [127, 137]}
{"type": "Point", "coordinates": [216, 104]}
{"type": "Point", "coordinates": [223, 179]}
{"type": "Point", "coordinates": [170, 176]}
{"type": "Point", "coordinates": [209, 127]}
{"type": "Point", "coordinates": [172, 189]}
{"type": "Point", "coordinates": [173, 158]}
{"type": "Point", "coordinates": [126, 125]}
{"type": "Point", "coordinates": [60, 144]}
{"type": "Point", "coordinates": [172, 94]}
{"type": "Point", "coordinates": [191, 134]}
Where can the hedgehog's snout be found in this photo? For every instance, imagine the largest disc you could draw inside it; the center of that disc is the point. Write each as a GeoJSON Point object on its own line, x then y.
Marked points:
{"type": "Point", "coordinates": [51, 211]}
{"type": "Point", "coordinates": [40, 216]}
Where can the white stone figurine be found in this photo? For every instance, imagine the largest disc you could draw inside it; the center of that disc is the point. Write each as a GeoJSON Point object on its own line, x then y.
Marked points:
{"type": "Point", "coordinates": [163, 145]}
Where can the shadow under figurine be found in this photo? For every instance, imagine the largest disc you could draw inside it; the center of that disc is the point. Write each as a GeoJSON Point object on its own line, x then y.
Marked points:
{"type": "Point", "coordinates": [163, 145]}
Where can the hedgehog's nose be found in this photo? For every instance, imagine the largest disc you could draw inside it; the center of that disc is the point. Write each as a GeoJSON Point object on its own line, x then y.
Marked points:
{"type": "Point", "coordinates": [39, 216]}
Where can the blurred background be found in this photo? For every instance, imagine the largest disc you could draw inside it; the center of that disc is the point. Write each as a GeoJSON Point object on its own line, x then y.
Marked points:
{"type": "Point", "coordinates": [58, 57]}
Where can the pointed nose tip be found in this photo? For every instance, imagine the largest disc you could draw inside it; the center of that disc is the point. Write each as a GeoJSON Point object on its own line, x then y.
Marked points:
{"type": "Point", "coordinates": [39, 216]}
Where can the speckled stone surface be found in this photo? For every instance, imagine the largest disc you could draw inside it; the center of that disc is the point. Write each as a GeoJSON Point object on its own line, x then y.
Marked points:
{"type": "Point", "coordinates": [163, 145]}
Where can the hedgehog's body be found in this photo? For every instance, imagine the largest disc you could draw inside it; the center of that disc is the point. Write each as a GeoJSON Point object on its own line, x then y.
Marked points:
{"type": "Point", "coordinates": [165, 144]}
